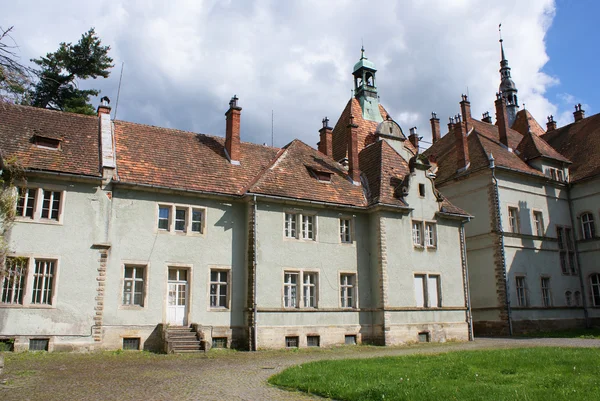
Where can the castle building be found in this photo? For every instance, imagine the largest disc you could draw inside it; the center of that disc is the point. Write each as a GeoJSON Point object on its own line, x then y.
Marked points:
{"type": "Point", "coordinates": [532, 247]}
{"type": "Point", "coordinates": [140, 237]}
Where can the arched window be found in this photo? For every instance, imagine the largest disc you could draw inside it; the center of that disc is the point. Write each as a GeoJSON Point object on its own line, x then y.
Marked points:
{"type": "Point", "coordinates": [587, 226]}
{"type": "Point", "coordinates": [577, 297]}
{"type": "Point", "coordinates": [569, 298]}
{"type": "Point", "coordinates": [595, 284]}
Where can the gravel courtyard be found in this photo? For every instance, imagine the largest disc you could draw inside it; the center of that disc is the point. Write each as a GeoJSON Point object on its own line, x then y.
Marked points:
{"type": "Point", "coordinates": [217, 375]}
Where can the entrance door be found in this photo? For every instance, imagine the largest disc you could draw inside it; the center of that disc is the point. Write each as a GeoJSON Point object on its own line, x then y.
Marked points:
{"type": "Point", "coordinates": [177, 297]}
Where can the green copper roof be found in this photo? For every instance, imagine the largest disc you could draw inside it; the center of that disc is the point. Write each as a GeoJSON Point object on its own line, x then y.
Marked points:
{"type": "Point", "coordinates": [363, 62]}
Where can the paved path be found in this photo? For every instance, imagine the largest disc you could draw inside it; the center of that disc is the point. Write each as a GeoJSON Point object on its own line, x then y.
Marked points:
{"type": "Point", "coordinates": [212, 376]}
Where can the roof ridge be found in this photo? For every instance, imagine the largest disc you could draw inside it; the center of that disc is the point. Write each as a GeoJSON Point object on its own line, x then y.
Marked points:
{"type": "Point", "coordinates": [180, 131]}
{"type": "Point", "coordinates": [42, 110]}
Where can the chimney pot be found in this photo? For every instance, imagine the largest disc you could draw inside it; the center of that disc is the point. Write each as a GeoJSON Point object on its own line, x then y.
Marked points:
{"type": "Point", "coordinates": [461, 146]}
{"type": "Point", "coordinates": [551, 124]}
{"type": "Point", "coordinates": [486, 117]}
{"type": "Point", "coordinates": [579, 113]}
{"type": "Point", "coordinates": [353, 168]}
{"type": "Point", "coordinates": [104, 107]}
{"type": "Point", "coordinates": [414, 138]}
{"type": "Point", "coordinates": [465, 108]}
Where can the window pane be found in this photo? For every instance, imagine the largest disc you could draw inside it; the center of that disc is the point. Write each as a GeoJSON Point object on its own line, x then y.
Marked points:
{"type": "Point", "coordinates": [128, 272]}
{"type": "Point", "coordinates": [419, 283]}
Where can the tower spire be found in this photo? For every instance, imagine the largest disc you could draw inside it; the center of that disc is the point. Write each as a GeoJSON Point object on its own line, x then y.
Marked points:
{"type": "Point", "coordinates": [508, 89]}
{"type": "Point", "coordinates": [365, 89]}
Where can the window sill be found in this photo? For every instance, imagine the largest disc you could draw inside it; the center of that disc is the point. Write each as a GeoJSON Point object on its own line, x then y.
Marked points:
{"type": "Point", "coordinates": [38, 221]}
{"type": "Point", "coordinates": [131, 307]}
{"type": "Point", "coordinates": [218, 309]}
{"type": "Point", "coordinates": [179, 233]}
{"type": "Point", "coordinates": [29, 306]}
{"type": "Point", "coordinates": [300, 239]}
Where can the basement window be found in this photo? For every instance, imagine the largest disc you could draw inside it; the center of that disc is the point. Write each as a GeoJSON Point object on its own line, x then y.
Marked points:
{"type": "Point", "coordinates": [45, 142]}
{"type": "Point", "coordinates": [7, 345]}
{"type": "Point", "coordinates": [424, 337]}
{"type": "Point", "coordinates": [131, 344]}
{"type": "Point", "coordinates": [350, 339]}
{"type": "Point", "coordinates": [291, 342]}
{"type": "Point", "coordinates": [38, 344]}
{"type": "Point", "coordinates": [219, 342]}
{"type": "Point", "coordinates": [313, 341]}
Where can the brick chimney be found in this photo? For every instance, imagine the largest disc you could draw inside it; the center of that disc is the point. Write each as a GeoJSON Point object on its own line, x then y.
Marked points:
{"type": "Point", "coordinates": [465, 109]}
{"type": "Point", "coordinates": [325, 144]}
{"type": "Point", "coordinates": [502, 119]}
{"type": "Point", "coordinates": [414, 138]}
{"type": "Point", "coordinates": [460, 141]}
{"type": "Point", "coordinates": [450, 124]}
{"type": "Point", "coordinates": [579, 113]}
{"type": "Point", "coordinates": [104, 107]}
{"type": "Point", "coordinates": [551, 124]}
{"type": "Point", "coordinates": [486, 118]}
{"type": "Point", "coordinates": [353, 151]}
{"type": "Point", "coordinates": [436, 134]}
{"type": "Point", "coordinates": [232, 131]}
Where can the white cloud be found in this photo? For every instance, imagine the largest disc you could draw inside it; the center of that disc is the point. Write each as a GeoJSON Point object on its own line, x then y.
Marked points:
{"type": "Point", "coordinates": [185, 59]}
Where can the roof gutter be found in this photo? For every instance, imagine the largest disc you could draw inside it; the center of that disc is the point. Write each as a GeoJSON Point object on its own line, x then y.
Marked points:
{"type": "Point", "coordinates": [63, 175]}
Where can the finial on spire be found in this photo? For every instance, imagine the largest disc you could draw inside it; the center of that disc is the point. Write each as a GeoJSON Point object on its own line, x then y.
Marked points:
{"type": "Point", "coordinates": [362, 51]}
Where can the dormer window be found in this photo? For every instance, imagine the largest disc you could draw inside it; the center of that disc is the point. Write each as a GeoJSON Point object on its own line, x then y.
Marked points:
{"type": "Point", "coordinates": [555, 174]}
{"type": "Point", "coordinates": [320, 175]}
{"type": "Point", "coordinates": [46, 142]}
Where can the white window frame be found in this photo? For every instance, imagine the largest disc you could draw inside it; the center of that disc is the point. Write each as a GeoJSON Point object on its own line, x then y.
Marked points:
{"type": "Point", "coordinates": [521, 291]}
{"type": "Point", "coordinates": [514, 224]}
{"type": "Point", "coordinates": [13, 285]}
{"type": "Point", "coordinates": [430, 235]}
{"type": "Point", "coordinates": [426, 291]}
{"type": "Point", "coordinates": [588, 228]}
{"type": "Point", "coordinates": [188, 220]}
{"type": "Point", "coordinates": [417, 233]}
{"type": "Point", "coordinates": [300, 225]}
{"type": "Point", "coordinates": [546, 291]}
{"type": "Point", "coordinates": [133, 280]}
{"type": "Point", "coordinates": [302, 286]}
{"type": "Point", "coordinates": [346, 234]}
{"type": "Point", "coordinates": [291, 293]}
{"type": "Point", "coordinates": [219, 283]}
{"type": "Point", "coordinates": [538, 222]}
{"type": "Point", "coordinates": [38, 193]}
{"type": "Point", "coordinates": [28, 195]}
{"type": "Point", "coordinates": [346, 300]}
{"type": "Point", "coordinates": [31, 278]}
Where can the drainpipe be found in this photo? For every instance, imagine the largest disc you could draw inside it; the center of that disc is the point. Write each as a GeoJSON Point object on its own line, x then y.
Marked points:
{"type": "Point", "coordinates": [580, 274]}
{"type": "Point", "coordinates": [465, 265]}
{"type": "Point", "coordinates": [255, 329]}
{"type": "Point", "coordinates": [501, 232]}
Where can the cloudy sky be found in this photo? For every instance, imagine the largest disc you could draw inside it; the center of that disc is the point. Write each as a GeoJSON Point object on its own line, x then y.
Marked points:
{"type": "Point", "coordinates": [183, 60]}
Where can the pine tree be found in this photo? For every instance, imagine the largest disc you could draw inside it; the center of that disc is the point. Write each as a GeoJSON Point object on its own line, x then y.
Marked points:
{"type": "Point", "coordinates": [57, 87]}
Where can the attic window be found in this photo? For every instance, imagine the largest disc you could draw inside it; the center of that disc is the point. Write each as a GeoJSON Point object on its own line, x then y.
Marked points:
{"type": "Point", "coordinates": [320, 175]}
{"type": "Point", "coordinates": [45, 142]}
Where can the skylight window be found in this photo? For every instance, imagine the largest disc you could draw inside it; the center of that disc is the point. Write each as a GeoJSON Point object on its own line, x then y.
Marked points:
{"type": "Point", "coordinates": [45, 142]}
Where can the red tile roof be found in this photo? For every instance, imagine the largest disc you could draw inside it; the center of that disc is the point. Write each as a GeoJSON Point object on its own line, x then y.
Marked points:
{"type": "Point", "coordinates": [366, 130]}
{"type": "Point", "coordinates": [290, 176]}
{"type": "Point", "coordinates": [78, 153]}
{"type": "Point", "coordinates": [179, 159]}
{"type": "Point", "coordinates": [483, 139]}
{"type": "Point", "coordinates": [525, 122]}
{"type": "Point", "coordinates": [580, 143]}
{"type": "Point", "coordinates": [533, 146]}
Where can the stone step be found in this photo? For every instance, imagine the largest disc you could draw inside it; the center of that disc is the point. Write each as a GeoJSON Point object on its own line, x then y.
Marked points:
{"type": "Point", "coordinates": [187, 351]}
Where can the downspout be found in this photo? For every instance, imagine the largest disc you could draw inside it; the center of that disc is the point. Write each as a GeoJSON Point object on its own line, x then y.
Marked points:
{"type": "Point", "coordinates": [501, 233]}
{"type": "Point", "coordinates": [465, 265]}
{"type": "Point", "coordinates": [581, 283]}
{"type": "Point", "coordinates": [254, 256]}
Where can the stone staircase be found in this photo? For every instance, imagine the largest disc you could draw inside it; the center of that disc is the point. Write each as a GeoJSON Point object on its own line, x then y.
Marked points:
{"type": "Point", "coordinates": [182, 339]}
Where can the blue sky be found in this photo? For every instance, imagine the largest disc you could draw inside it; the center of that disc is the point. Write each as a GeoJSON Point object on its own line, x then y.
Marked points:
{"type": "Point", "coordinates": [184, 59]}
{"type": "Point", "coordinates": [572, 44]}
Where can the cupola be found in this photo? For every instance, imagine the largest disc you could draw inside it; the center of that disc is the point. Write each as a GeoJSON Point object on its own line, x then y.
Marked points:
{"type": "Point", "coordinates": [365, 89]}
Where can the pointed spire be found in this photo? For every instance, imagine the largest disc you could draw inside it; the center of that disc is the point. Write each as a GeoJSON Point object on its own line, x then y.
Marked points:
{"type": "Point", "coordinates": [503, 61]}
{"type": "Point", "coordinates": [508, 89]}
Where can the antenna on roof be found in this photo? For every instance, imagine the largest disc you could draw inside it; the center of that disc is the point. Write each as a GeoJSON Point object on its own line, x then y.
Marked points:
{"type": "Point", "coordinates": [272, 130]}
{"type": "Point", "coordinates": [119, 91]}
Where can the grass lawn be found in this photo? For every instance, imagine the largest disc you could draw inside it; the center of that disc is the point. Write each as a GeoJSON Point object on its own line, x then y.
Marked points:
{"type": "Point", "coordinates": [503, 374]}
